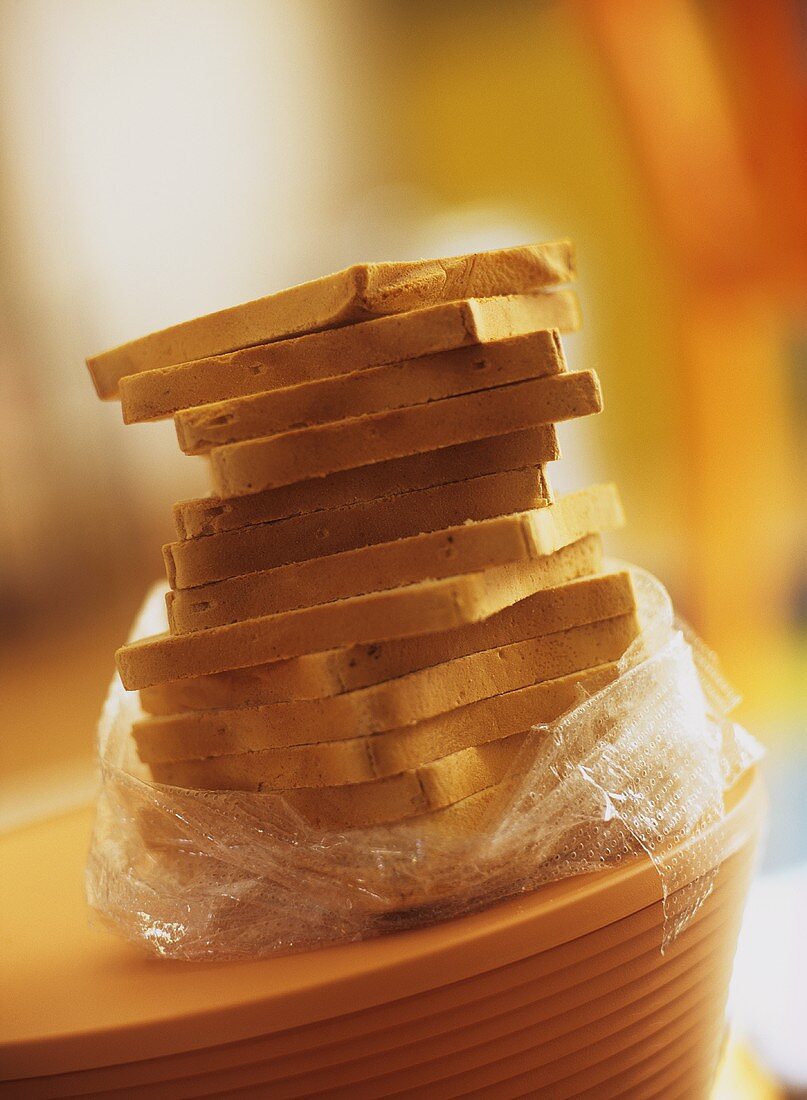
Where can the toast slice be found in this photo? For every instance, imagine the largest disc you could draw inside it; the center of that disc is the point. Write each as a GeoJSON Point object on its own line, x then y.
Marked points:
{"type": "Point", "coordinates": [401, 612]}
{"type": "Point", "coordinates": [458, 820]}
{"type": "Point", "coordinates": [155, 394]}
{"type": "Point", "coordinates": [265, 546]}
{"type": "Point", "coordinates": [219, 737]}
{"type": "Point", "coordinates": [397, 797]}
{"type": "Point", "coordinates": [561, 604]}
{"type": "Point", "coordinates": [430, 378]}
{"type": "Point", "coordinates": [259, 464]}
{"type": "Point", "coordinates": [485, 720]}
{"type": "Point", "coordinates": [448, 552]}
{"type": "Point", "coordinates": [415, 609]}
{"type": "Point", "coordinates": [211, 515]}
{"type": "Point", "coordinates": [355, 294]}
{"type": "Point", "coordinates": [363, 759]}
{"type": "Point", "coordinates": [430, 787]}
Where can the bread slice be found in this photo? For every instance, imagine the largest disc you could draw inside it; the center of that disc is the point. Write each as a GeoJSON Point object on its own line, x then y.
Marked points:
{"type": "Point", "coordinates": [363, 759]}
{"type": "Point", "coordinates": [399, 385]}
{"type": "Point", "coordinates": [265, 546]}
{"type": "Point", "coordinates": [408, 336]}
{"type": "Point", "coordinates": [431, 785]}
{"type": "Point", "coordinates": [485, 720]}
{"type": "Point", "coordinates": [415, 609]}
{"type": "Point", "coordinates": [459, 820]}
{"type": "Point", "coordinates": [561, 604]}
{"type": "Point", "coordinates": [259, 464]}
{"type": "Point", "coordinates": [211, 515]}
{"type": "Point", "coordinates": [383, 801]}
{"type": "Point", "coordinates": [355, 294]}
{"type": "Point", "coordinates": [393, 798]}
{"type": "Point", "coordinates": [448, 552]}
{"type": "Point", "coordinates": [391, 705]}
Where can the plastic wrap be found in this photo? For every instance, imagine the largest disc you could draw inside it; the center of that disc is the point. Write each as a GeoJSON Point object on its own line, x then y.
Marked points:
{"type": "Point", "coordinates": [641, 766]}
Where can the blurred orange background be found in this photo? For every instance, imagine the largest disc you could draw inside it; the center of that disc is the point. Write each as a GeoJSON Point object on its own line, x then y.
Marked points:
{"type": "Point", "coordinates": [162, 159]}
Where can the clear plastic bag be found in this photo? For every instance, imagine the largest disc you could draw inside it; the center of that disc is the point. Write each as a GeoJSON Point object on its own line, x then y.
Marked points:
{"type": "Point", "coordinates": [641, 766]}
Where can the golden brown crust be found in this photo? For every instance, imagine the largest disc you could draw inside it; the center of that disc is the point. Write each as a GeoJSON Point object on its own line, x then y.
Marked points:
{"type": "Point", "coordinates": [397, 797]}
{"type": "Point", "coordinates": [432, 785]}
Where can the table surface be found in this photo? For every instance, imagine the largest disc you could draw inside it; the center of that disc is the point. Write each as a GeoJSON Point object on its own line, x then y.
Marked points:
{"type": "Point", "coordinates": [67, 981]}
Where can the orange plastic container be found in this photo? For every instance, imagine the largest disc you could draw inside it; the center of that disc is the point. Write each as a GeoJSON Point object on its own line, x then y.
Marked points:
{"type": "Point", "coordinates": [562, 993]}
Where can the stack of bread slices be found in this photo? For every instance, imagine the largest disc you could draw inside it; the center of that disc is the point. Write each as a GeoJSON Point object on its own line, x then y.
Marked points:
{"type": "Point", "coordinates": [382, 596]}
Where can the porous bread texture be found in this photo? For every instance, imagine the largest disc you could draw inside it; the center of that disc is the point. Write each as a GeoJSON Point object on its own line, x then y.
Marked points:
{"type": "Point", "coordinates": [467, 548]}
{"type": "Point", "coordinates": [415, 609]}
{"type": "Point", "coordinates": [383, 597]}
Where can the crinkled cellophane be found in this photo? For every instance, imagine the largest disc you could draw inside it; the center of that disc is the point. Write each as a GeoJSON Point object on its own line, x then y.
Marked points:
{"type": "Point", "coordinates": [640, 767]}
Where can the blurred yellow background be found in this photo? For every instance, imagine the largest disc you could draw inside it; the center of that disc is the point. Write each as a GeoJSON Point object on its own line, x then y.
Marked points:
{"type": "Point", "coordinates": [164, 158]}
